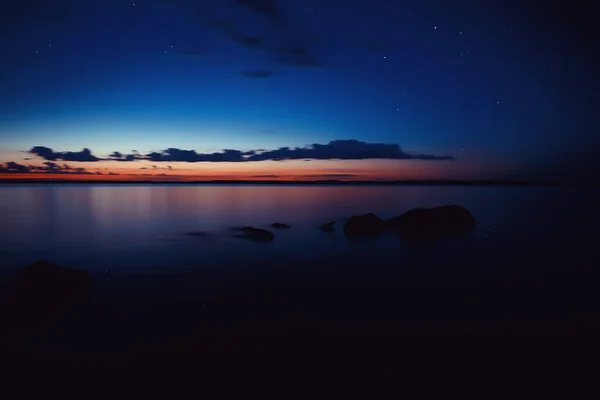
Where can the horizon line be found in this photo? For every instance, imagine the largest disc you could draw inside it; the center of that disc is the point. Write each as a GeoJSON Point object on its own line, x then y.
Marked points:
{"type": "Point", "coordinates": [456, 182]}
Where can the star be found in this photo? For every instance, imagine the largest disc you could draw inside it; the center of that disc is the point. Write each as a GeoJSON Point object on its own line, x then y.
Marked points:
{"type": "Point", "coordinates": [384, 57]}
{"type": "Point", "coordinates": [435, 27]}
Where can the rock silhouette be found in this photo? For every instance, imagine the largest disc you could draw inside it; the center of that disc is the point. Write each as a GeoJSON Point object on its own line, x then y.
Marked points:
{"type": "Point", "coordinates": [256, 234]}
{"type": "Point", "coordinates": [199, 233]}
{"type": "Point", "coordinates": [44, 291]}
{"type": "Point", "coordinates": [427, 224]}
{"type": "Point", "coordinates": [279, 225]}
{"type": "Point", "coordinates": [327, 227]}
{"type": "Point", "coordinates": [366, 225]}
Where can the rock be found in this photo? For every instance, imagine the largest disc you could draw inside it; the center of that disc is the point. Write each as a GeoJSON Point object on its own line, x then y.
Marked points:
{"type": "Point", "coordinates": [279, 225]}
{"type": "Point", "coordinates": [366, 225]}
{"type": "Point", "coordinates": [327, 227]}
{"type": "Point", "coordinates": [256, 234]}
{"type": "Point", "coordinates": [43, 291]}
{"type": "Point", "coordinates": [426, 224]}
{"type": "Point", "coordinates": [199, 233]}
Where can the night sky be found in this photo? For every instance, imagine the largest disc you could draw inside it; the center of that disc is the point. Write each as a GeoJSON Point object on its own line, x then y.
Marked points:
{"type": "Point", "coordinates": [290, 89]}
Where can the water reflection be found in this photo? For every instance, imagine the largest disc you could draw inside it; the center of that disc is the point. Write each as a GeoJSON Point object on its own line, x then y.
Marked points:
{"type": "Point", "coordinates": [134, 223]}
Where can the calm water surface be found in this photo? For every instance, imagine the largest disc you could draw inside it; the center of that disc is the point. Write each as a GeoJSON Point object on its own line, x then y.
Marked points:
{"type": "Point", "coordinates": [142, 228]}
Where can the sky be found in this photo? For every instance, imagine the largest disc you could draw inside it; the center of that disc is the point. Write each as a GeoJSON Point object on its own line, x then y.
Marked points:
{"type": "Point", "coordinates": [298, 90]}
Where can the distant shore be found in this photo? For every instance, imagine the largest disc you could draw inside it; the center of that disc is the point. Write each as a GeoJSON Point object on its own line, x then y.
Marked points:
{"type": "Point", "coordinates": [318, 182]}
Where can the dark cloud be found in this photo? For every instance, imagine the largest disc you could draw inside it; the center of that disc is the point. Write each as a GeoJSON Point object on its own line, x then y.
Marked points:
{"type": "Point", "coordinates": [298, 49]}
{"type": "Point", "coordinates": [249, 41]}
{"type": "Point", "coordinates": [48, 168]}
{"type": "Point", "coordinates": [297, 55]}
{"type": "Point", "coordinates": [227, 27]}
{"type": "Point", "coordinates": [13, 167]}
{"type": "Point", "coordinates": [116, 156]}
{"type": "Point", "coordinates": [343, 150]}
{"type": "Point", "coordinates": [173, 154]}
{"type": "Point", "coordinates": [337, 149]}
{"type": "Point", "coordinates": [330, 176]}
{"type": "Point", "coordinates": [258, 73]}
{"type": "Point", "coordinates": [46, 153]}
{"type": "Point", "coordinates": [265, 176]}
{"type": "Point", "coordinates": [268, 8]}
{"type": "Point", "coordinates": [113, 173]}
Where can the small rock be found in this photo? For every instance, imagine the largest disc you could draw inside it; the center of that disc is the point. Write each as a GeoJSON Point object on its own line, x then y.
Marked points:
{"type": "Point", "coordinates": [256, 234]}
{"type": "Point", "coordinates": [327, 227]}
{"type": "Point", "coordinates": [200, 233]}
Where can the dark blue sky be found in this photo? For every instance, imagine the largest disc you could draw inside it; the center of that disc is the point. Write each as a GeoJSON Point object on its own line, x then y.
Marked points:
{"type": "Point", "coordinates": [506, 88]}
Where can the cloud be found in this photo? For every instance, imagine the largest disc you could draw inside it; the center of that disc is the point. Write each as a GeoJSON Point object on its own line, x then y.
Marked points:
{"type": "Point", "coordinates": [258, 74]}
{"type": "Point", "coordinates": [46, 153]}
{"type": "Point", "coordinates": [248, 40]}
{"type": "Point", "coordinates": [330, 176]}
{"type": "Point", "coordinates": [48, 168]}
{"type": "Point", "coordinates": [343, 150]}
{"type": "Point", "coordinates": [13, 167]}
{"type": "Point", "coordinates": [265, 176]}
{"type": "Point", "coordinates": [117, 156]}
{"type": "Point", "coordinates": [173, 155]}
{"type": "Point", "coordinates": [335, 150]}
{"type": "Point", "coordinates": [297, 55]}
{"type": "Point", "coordinates": [297, 49]}
{"type": "Point", "coordinates": [267, 8]}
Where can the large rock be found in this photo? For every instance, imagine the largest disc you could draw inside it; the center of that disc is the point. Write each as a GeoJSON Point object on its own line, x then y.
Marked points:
{"type": "Point", "coordinates": [44, 291]}
{"type": "Point", "coordinates": [256, 234]}
{"type": "Point", "coordinates": [366, 225]}
{"type": "Point", "coordinates": [426, 224]}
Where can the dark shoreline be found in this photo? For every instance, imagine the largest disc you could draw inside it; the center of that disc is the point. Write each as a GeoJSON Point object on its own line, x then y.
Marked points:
{"type": "Point", "coordinates": [318, 182]}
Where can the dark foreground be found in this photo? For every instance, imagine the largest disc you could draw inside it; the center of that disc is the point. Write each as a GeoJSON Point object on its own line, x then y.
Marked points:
{"type": "Point", "coordinates": [343, 327]}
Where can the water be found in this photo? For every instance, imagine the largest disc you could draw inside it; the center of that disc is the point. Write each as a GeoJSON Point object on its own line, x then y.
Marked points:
{"type": "Point", "coordinates": [142, 228]}
{"type": "Point", "coordinates": [532, 255]}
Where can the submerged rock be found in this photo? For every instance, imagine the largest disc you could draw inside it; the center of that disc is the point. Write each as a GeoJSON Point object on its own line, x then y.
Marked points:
{"type": "Point", "coordinates": [256, 234]}
{"type": "Point", "coordinates": [279, 225]}
{"type": "Point", "coordinates": [425, 224]}
{"type": "Point", "coordinates": [327, 227]}
{"type": "Point", "coordinates": [366, 225]}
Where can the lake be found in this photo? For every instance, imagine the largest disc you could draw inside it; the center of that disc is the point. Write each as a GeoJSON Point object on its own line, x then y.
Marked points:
{"type": "Point", "coordinates": [532, 255]}
{"type": "Point", "coordinates": [143, 228]}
